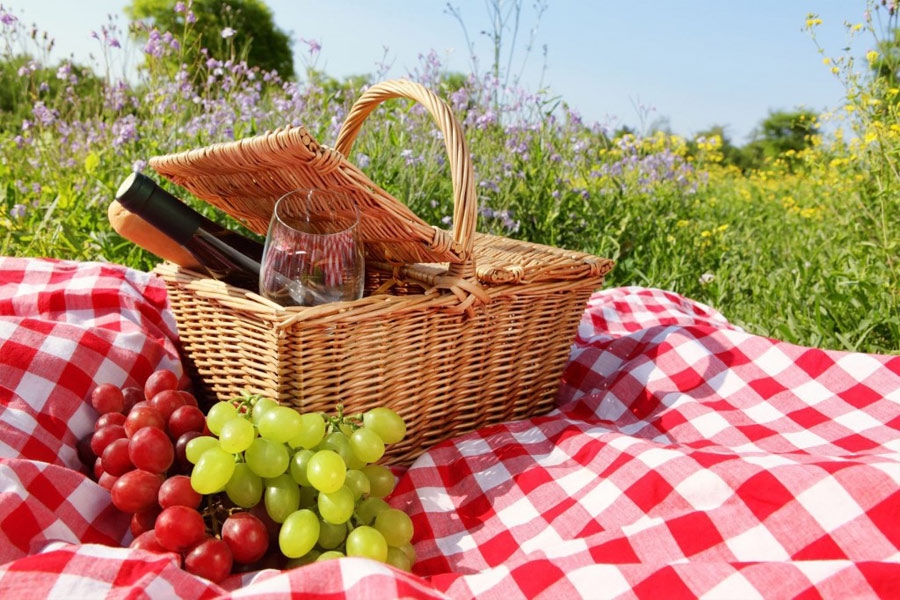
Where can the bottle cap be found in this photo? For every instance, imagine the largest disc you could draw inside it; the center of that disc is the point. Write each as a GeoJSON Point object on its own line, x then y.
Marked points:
{"type": "Point", "coordinates": [142, 196]}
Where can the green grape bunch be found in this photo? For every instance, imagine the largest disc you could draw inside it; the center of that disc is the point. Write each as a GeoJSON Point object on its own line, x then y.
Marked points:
{"type": "Point", "coordinates": [315, 478]}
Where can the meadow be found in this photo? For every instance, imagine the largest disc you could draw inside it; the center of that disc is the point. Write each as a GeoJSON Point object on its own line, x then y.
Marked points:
{"type": "Point", "coordinates": [803, 248]}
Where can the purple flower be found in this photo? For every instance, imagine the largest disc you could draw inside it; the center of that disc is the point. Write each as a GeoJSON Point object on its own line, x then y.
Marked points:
{"type": "Point", "coordinates": [17, 211]}
{"type": "Point", "coordinates": [7, 18]}
{"type": "Point", "coordinates": [44, 115]}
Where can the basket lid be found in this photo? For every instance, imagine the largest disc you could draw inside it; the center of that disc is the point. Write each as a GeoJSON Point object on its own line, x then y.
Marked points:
{"type": "Point", "coordinates": [245, 179]}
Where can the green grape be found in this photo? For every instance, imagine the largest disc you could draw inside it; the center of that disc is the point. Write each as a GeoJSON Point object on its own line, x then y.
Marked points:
{"type": "Point", "coordinates": [398, 558]}
{"type": "Point", "coordinates": [312, 431]}
{"type": "Point", "coordinates": [331, 536]}
{"type": "Point", "coordinates": [326, 471]}
{"type": "Point", "coordinates": [236, 435]}
{"type": "Point", "coordinates": [410, 552]}
{"type": "Point", "coordinates": [395, 525]}
{"type": "Point", "coordinates": [336, 507]}
{"type": "Point", "coordinates": [279, 424]}
{"type": "Point", "coordinates": [298, 465]}
{"type": "Point", "coordinates": [381, 478]}
{"type": "Point", "coordinates": [340, 443]}
{"type": "Point", "coordinates": [304, 560]}
{"type": "Point", "coordinates": [367, 542]}
{"type": "Point", "coordinates": [389, 426]}
{"type": "Point", "coordinates": [212, 471]}
{"type": "Point", "coordinates": [219, 414]}
{"type": "Point", "coordinates": [309, 496]}
{"type": "Point", "coordinates": [267, 459]}
{"type": "Point", "coordinates": [358, 483]}
{"type": "Point", "coordinates": [282, 497]}
{"type": "Point", "coordinates": [299, 533]}
{"type": "Point", "coordinates": [369, 508]}
{"type": "Point", "coordinates": [330, 555]}
{"type": "Point", "coordinates": [245, 488]}
{"type": "Point", "coordinates": [366, 445]}
{"type": "Point", "coordinates": [261, 406]}
{"type": "Point", "coordinates": [197, 446]}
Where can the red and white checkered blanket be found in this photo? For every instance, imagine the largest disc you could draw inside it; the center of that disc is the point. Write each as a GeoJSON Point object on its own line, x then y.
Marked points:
{"type": "Point", "coordinates": [687, 458]}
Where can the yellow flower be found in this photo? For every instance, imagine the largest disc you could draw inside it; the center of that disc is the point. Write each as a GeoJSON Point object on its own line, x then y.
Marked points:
{"type": "Point", "coordinates": [872, 56]}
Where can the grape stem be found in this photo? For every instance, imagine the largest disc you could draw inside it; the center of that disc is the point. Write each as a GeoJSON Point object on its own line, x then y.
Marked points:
{"type": "Point", "coordinates": [335, 422]}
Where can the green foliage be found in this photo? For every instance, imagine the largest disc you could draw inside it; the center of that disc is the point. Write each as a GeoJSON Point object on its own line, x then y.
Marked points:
{"type": "Point", "coordinates": [226, 29]}
{"type": "Point", "coordinates": [781, 134]}
{"type": "Point", "coordinates": [803, 245]}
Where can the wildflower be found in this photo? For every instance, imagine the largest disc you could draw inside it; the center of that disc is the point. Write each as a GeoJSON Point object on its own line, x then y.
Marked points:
{"type": "Point", "coordinates": [312, 46]}
{"type": "Point", "coordinates": [363, 160]}
{"type": "Point", "coordinates": [872, 56]}
{"type": "Point", "coordinates": [7, 18]}
{"type": "Point", "coordinates": [44, 115]}
{"type": "Point", "coordinates": [228, 32]}
{"type": "Point", "coordinates": [27, 69]}
{"type": "Point", "coordinates": [706, 278]}
{"type": "Point", "coordinates": [17, 211]}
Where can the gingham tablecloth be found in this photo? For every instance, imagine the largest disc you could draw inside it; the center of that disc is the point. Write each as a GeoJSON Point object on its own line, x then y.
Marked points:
{"type": "Point", "coordinates": [686, 459]}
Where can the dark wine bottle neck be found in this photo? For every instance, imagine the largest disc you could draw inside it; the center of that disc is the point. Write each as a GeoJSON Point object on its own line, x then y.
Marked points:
{"type": "Point", "coordinates": [142, 196]}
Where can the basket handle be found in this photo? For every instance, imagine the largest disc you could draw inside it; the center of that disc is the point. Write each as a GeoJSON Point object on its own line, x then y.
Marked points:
{"type": "Point", "coordinates": [465, 201]}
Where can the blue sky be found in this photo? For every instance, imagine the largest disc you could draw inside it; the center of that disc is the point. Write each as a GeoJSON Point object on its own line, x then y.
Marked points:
{"type": "Point", "coordinates": [693, 63]}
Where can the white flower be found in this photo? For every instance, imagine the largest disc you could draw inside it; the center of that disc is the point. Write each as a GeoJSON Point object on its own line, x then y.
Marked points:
{"type": "Point", "coordinates": [706, 278]}
{"type": "Point", "coordinates": [228, 32]}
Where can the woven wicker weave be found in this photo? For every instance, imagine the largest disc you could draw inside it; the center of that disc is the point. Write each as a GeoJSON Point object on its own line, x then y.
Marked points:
{"type": "Point", "coordinates": [457, 329]}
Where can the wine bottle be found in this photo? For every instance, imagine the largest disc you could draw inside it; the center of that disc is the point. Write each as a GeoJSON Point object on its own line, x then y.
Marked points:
{"type": "Point", "coordinates": [223, 253]}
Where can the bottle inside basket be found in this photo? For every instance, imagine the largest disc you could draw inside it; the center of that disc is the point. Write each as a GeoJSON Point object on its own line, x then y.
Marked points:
{"type": "Point", "coordinates": [223, 253]}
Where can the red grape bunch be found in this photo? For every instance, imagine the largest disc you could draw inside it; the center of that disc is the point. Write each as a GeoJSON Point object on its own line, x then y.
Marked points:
{"type": "Point", "coordinates": [249, 483]}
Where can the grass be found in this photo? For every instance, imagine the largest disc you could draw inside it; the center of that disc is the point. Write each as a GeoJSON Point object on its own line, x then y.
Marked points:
{"type": "Point", "coordinates": [803, 249]}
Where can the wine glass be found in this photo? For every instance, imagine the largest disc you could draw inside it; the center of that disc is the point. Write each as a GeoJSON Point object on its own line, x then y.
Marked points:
{"type": "Point", "coordinates": [313, 252]}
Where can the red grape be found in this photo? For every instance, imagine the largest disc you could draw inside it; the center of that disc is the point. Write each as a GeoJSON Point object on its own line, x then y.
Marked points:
{"type": "Point", "coordinates": [166, 402]}
{"type": "Point", "coordinates": [211, 559]}
{"type": "Point", "coordinates": [247, 536]}
{"type": "Point", "coordinates": [159, 381]}
{"type": "Point", "coordinates": [115, 459]}
{"type": "Point", "coordinates": [181, 462]}
{"type": "Point", "coordinates": [132, 395]}
{"type": "Point", "coordinates": [144, 521]}
{"type": "Point", "coordinates": [147, 541]}
{"type": "Point", "coordinates": [107, 481]}
{"type": "Point", "coordinates": [107, 398]}
{"type": "Point", "coordinates": [113, 418]}
{"type": "Point", "coordinates": [104, 436]}
{"type": "Point", "coordinates": [189, 398]}
{"type": "Point", "coordinates": [136, 491]}
{"type": "Point", "coordinates": [143, 415]}
{"type": "Point", "coordinates": [177, 491]}
{"type": "Point", "coordinates": [186, 418]}
{"type": "Point", "coordinates": [179, 528]}
{"type": "Point", "coordinates": [151, 449]}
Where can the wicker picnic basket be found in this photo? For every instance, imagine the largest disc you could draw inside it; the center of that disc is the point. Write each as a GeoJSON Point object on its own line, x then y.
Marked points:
{"type": "Point", "coordinates": [456, 330]}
